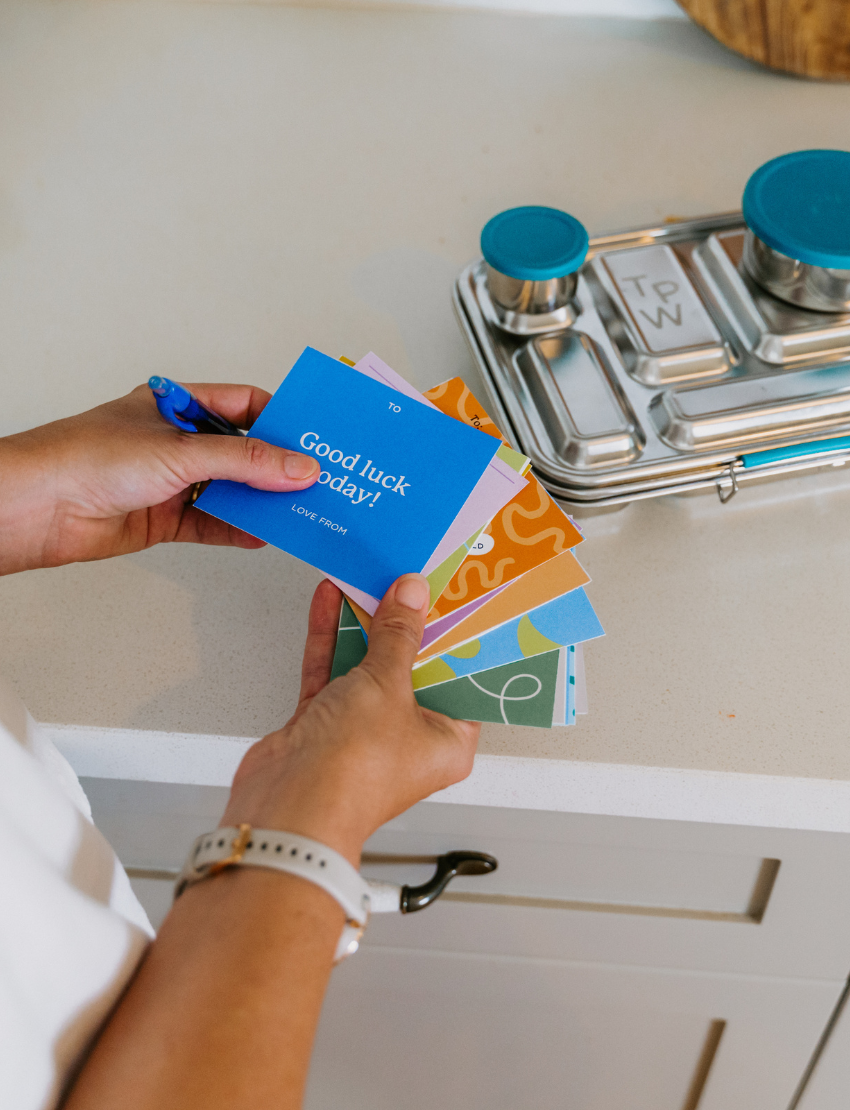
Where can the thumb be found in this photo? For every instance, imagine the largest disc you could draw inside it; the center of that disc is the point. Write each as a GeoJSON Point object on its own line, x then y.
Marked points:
{"type": "Point", "coordinates": [396, 630]}
{"type": "Point", "coordinates": [244, 459]}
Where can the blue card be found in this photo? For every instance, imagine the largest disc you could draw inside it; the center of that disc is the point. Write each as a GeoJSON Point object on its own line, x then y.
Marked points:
{"type": "Point", "coordinates": [395, 474]}
{"type": "Point", "coordinates": [563, 621]}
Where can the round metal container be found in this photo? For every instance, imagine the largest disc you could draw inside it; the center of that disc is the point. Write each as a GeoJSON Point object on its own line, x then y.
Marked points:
{"type": "Point", "coordinates": [532, 257]}
{"type": "Point", "coordinates": [797, 247]}
{"type": "Point", "coordinates": [817, 287]}
{"type": "Point", "coordinates": [529, 306]}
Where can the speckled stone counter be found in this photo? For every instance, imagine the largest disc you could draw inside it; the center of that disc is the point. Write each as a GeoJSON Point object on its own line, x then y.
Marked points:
{"type": "Point", "coordinates": [201, 190]}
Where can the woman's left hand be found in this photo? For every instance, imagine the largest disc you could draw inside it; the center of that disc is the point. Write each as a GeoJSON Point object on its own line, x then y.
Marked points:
{"type": "Point", "coordinates": [118, 479]}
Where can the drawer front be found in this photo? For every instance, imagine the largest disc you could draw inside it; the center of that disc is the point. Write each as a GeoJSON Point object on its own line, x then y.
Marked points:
{"type": "Point", "coordinates": [602, 889]}
{"type": "Point", "coordinates": [421, 1030]}
{"type": "Point", "coordinates": [626, 890]}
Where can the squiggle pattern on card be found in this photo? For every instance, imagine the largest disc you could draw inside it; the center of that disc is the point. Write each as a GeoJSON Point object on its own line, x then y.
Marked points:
{"type": "Point", "coordinates": [557, 534]}
{"type": "Point", "coordinates": [488, 581]}
{"type": "Point", "coordinates": [503, 694]}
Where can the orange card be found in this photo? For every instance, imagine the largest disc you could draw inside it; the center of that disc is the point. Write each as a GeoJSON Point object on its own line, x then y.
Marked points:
{"type": "Point", "coordinates": [455, 398]}
{"type": "Point", "coordinates": [529, 531]}
{"type": "Point", "coordinates": [550, 580]}
{"type": "Point", "coordinates": [537, 586]}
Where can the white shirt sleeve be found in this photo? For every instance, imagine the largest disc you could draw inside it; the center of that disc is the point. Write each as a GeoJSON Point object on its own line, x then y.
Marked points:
{"type": "Point", "coordinates": [71, 930]}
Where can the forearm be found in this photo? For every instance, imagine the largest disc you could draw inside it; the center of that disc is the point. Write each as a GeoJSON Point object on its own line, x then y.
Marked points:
{"type": "Point", "coordinates": [223, 1011]}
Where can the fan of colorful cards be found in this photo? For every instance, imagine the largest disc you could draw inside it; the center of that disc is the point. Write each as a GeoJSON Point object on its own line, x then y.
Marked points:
{"type": "Point", "coordinates": [414, 481]}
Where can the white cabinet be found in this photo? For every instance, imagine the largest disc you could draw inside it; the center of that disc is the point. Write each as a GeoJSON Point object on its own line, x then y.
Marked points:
{"type": "Point", "coordinates": [423, 1030]}
{"type": "Point", "coordinates": [629, 891]}
{"type": "Point", "coordinates": [608, 964]}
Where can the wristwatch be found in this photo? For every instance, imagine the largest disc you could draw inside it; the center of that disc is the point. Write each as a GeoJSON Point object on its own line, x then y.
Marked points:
{"type": "Point", "coordinates": [216, 851]}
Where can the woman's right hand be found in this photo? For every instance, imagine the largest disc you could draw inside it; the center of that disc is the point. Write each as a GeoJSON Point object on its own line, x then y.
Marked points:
{"type": "Point", "coordinates": [251, 950]}
{"type": "Point", "coordinates": [359, 750]}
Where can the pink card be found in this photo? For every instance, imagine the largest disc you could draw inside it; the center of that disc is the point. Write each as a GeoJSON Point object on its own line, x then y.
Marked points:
{"type": "Point", "coordinates": [495, 488]}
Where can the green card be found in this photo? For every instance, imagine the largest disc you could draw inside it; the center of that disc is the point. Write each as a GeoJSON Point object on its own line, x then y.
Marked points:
{"type": "Point", "coordinates": [519, 693]}
{"type": "Point", "coordinates": [350, 642]}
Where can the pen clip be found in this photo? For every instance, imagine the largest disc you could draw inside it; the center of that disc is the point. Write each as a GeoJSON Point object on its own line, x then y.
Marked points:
{"type": "Point", "coordinates": [180, 422]}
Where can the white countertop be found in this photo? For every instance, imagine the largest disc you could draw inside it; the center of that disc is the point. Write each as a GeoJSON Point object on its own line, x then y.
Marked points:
{"type": "Point", "coordinates": [201, 190]}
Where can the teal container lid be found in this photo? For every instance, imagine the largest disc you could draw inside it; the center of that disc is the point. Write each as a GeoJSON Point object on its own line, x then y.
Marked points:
{"type": "Point", "coordinates": [799, 204]}
{"type": "Point", "coordinates": [534, 243]}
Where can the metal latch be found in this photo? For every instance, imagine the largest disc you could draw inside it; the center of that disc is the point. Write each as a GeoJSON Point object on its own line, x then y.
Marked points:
{"type": "Point", "coordinates": [727, 495]}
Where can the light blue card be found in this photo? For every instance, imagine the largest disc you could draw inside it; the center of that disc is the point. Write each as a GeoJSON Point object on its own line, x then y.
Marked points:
{"type": "Point", "coordinates": [565, 620]}
{"type": "Point", "coordinates": [395, 474]}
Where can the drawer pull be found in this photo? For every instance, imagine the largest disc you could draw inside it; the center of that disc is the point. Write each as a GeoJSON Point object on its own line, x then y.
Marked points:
{"type": "Point", "coordinates": [449, 866]}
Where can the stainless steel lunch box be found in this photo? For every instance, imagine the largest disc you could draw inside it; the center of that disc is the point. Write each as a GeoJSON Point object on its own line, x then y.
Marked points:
{"type": "Point", "coordinates": [686, 361]}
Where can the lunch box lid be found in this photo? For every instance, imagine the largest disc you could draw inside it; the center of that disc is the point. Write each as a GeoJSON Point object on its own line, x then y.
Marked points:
{"type": "Point", "coordinates": [534, 243]}
{"type": "Point", "coordinates": [799, 204]}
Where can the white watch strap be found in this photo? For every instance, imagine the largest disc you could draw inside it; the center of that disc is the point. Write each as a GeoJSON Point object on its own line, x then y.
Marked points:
{"type": "Point", "coordinates": [281, 851]}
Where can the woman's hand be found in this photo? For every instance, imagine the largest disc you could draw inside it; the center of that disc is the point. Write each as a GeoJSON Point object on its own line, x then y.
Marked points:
{"type": "Point", "coordinates": [361, 750]}
{"type": "Point", "coordinates": [223, 1011]}
{"type": "Point", "coordinates": [118, 479]}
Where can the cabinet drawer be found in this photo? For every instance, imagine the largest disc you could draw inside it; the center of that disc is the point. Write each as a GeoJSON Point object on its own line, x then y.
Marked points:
{"type": "Point", "coordinates": [422, 1030]}
{"type": "Point", "coordinates": [601, 889]}
{"type": "Point", "coordinates": [626, 890]}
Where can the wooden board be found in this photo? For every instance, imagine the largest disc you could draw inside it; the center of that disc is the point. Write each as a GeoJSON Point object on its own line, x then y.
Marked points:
{"type": "Point", "coordinates": [808, 37]}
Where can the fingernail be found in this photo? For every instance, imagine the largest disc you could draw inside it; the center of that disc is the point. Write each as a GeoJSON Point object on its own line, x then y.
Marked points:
{"type": "Point", "coordinates": [412, 591]}
{"type": "Point", "coordinates": [299, 466]}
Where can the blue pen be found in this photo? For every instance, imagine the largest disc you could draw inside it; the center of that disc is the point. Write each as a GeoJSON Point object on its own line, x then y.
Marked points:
{"type": "Point", "coordinates": [186, 412]}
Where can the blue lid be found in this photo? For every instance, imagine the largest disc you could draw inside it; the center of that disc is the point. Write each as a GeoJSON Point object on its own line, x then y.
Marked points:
{"type": "Point", "coordinates": [534, 243]}
{"type": "Point", "coordinates": [799, 204]}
